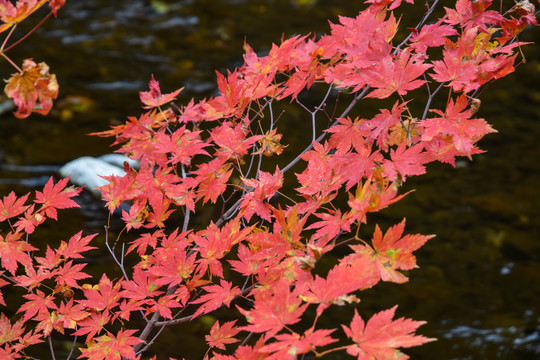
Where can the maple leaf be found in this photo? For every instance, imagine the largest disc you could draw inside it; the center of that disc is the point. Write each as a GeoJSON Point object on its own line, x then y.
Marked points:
{"type": "Point", "coordinates": [232, 140]}
{"type": "Point", "coordinates": [56, 196]}
{"type": "Point", "coordinates": [39, 302]}
{"type": "Point", "coordinates": [291, 345]}
{"type": "Point", "coordinates": [13, 251]}
{"type": "Point", "coordinates": [405, 161]}
{"type": "Point", "coordinates": [473, 14]}
{"type": "Point", "coordinates": [10, 206]}
{"type": "Point", "coordinates": [182, 145]}
{"type": "Point", "coordinates": [217, 296]}
{"type": "Point", "coordinates": [269, 144]}
{"type": "Point", "coordinates": [260, 190]}
{"type": "Point", "coordinates": [320, 174]}
{"type": "Point", "coordinates": [430, 35]}
{"type": "Point", "coordinates": [75, 246]}
{"type": "Point", "coordinates": [173, 267]}
{"type": "Point", "coordinates": [349, 133]}
{"type": "Point", "coordinates": [120, 189]}
{"type": "Point", "coordinates": [215, 243]}
{"type": "Point", "coordinates": [141, 287]}
{"type": "Point", "coordinates": [71, 315]}
{"type": "Point", "coordinates": [9, 332]}
{"type": "Point", "coordinates": [68, 274]}
{"type": "Point", "coordinates": [33, 277]}
{"type": "Point", "coordinates": [93, 324]}
{"type": "Point", "coordinates": [380, 338]}
{"type": "Point", "coordinates": [381, 123]}
{"type": "Point", "coordinates": [348, 276]}
{"type": "Point", "coordinates": [273, 309]}
{"type": "Point", "coordinates": [331, 224]}
{"type": "Point", "coordinates": [56, 5]}
{"type": "Point", "coordinates": [220, 335]}
{"type": "Point", "coordinates": [212, 178]}
{"type": "Point", "coordinates": [103, 296]}
{"type": "Point", "coordinates": [111, 347]}
{"type": "Point", "coordinates": [245, 264]}
{"type": "Point", "coordinates": [392, 252]}
{"type": "Point", "coordinates": [12, 14]}
{"type": "Point", "coordinates": [457, 70]}
{"type": "Point", "coordinates": [2, 284]}
{"type": "Point", "coordinates": [154, 97]}
{"type": "Point", "coordinates": [456, 122]}
{"type": "Point", "coordinates": [33, 89]}
{"type": "Point", "coordinates": [395, 74]}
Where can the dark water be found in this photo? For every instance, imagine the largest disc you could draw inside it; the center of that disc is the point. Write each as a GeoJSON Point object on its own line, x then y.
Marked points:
{"type": "Point", "coordinates": [479, 282]}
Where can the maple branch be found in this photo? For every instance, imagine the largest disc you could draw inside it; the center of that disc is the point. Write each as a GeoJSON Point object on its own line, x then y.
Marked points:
{"type": "Point", "coordinates": [111, 251]}
{"type": "Point", "coordinates": [430, 99]}
{"type": "Point", "coordinates": [30, 32]}
{"type": "Point", "coordinates": [51, 348]}
{"type": "Point", "coordinates": [323, 135]}
{"type": "Point", "coordinates": [7, 37]}
{"type": "Point", "coordinates": [422, 21]}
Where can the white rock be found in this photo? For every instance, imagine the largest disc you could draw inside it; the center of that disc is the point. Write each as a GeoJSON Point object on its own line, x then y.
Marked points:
{"type": "Point", "coordinates": [119, 159]}
{"type": "Point", "coordinates": [85, 171]}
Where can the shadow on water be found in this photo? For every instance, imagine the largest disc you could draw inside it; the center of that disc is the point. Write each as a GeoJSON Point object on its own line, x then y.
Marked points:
{"type": "Point", "coordinates": [478, 285]}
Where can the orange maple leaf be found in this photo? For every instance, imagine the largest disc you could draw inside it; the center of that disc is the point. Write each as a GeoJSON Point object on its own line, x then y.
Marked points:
{"type": "Point", "coordinates": [33, 89]}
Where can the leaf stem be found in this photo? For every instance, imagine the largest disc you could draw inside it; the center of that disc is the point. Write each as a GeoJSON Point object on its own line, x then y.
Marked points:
{"type": "Point", "coordinates": [30, 32]}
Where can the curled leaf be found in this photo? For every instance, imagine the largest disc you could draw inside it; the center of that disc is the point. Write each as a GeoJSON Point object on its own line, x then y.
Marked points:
{"type": "Point", "coordinates": [11, 14]}
{"type": "Point", "coordinates": [33, 89]}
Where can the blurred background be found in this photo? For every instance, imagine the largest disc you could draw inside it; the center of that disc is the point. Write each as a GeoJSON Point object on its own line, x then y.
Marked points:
{"type": "Point", "coordinates": [478, 285]}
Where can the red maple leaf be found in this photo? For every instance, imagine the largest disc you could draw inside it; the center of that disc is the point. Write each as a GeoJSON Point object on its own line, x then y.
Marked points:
{"type": "Point", "coordinates": [355, 273]}
{"type": "Point", "coordinates": [182, 145]}
{"type": "Point", "coordinates": [71, 315]}
{"type": "Point", "coordinates": [68, 274]}
{"type": "Point", "coordinates": [405, 161]}
{"type": "Point", "coordinates": [330, 225]}
{"type": "Point", "coordinates": [349, 133]}
{"type": "Point", "coordinates": [12, 14]}
{"type": "Point", "coordinates": [104, 296]}
{"type": "Point", "coordinates": [288, 346]}
{"type": "Point", "coordinates": [456, 122]}
{"type": "Point", "coordinates": [111, 347]}
{"type": "Point", "coordinates": [460, 72]}
{"type": "Point", "coordinates": [233, 140]}
{"type": "Point", "coordinates": [395, 74]}
{"type": "Point", "coordinates": [381, 123]}
{"type": "Point", "coordinates": [380, 338]}
{"type": "Point", "coordinates": [214, 243]}
{"type": "Point", "coordinates": [212, 178]}
{"type": "Point", "coordinates": [430, 35]}
{"type": "Point", "coordinates": [39, 302]}
{"type": "Point", "coordinates": [392, 251]}
{"type": "Point", "coordinates": [75, 246]}
{"type": "Point", "coordinates": [220, 335]}
{"type": "Point", "coordinates": [2, 283]}
{"type": "Point", "coordinates": [8, 332]}
{"type": "Point", "coordinates": [93, 324]}
{"type": "Point", "coordinates": [141, 287]}
{"type": "Point", "coordinates": [217, 296]}
{"type": "Point", "coordinates": [154, 97]}
{"type": "Point", "coordinates": [56, 196]}
{"type": "Point", "coordinates": [13, 251]}
{"type": "Point", "coordinates": [473, 14]}
{"type": "Point", "coordinates": [259, 191]}
{"type": "Point", "coordinates": [273, 309]}
{"type": "Point", "coordinates": [10, 206]}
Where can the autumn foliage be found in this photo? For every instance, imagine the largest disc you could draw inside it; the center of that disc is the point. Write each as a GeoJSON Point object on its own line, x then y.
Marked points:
{"type": "Point", "coordinates": [259, 255]}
